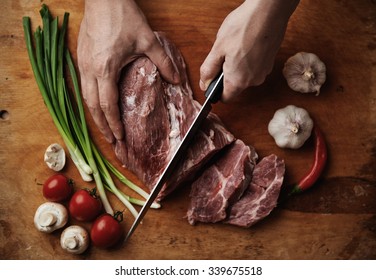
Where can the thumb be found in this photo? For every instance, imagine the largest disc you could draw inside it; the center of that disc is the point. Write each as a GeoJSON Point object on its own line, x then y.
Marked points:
{"type": "Point", "coordinates": [163, 62]}
{"type": "Point", "coordinates": [210, 69]}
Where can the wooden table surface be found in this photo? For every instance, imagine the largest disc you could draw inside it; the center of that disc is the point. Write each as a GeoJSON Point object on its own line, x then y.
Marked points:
{"type": "Point", "coordinates": [334, 220]}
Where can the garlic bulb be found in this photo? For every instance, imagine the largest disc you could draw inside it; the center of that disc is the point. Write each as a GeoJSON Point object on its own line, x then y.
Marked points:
{"type": "Point", "coordinates": [305, 72]}
{"type": "Point", "coordinates": [290, 127]}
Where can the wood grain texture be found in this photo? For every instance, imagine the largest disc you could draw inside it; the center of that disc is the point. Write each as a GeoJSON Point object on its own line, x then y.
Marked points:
{"type": "Point", "coordinates": [335, 220]}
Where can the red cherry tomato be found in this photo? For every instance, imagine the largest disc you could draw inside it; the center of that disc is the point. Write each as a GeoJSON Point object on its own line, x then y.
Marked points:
{"type": "Point", "coordinates": [84, 205]}
{"type": "Point", "coordinates": [57, 188]}
{"type": "Point", "coordinates": [106, 230]}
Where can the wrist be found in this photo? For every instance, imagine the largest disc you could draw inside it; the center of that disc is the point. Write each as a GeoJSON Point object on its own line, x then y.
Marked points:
{"type": "Point", "coordinates": [282, 8]}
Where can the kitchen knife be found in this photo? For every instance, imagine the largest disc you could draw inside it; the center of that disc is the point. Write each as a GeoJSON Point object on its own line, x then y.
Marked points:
{"type": "Point", "coordinates": [213, 94]}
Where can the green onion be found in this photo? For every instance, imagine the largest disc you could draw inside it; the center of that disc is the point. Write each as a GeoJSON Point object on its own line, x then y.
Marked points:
{"type": "Point", "coordinates": [48, 58]}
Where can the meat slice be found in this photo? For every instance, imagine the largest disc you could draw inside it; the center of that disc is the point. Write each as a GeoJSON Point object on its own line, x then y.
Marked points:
{"type": "Point", "coordinates": [262, 194]}
{"type": "Point", "coordinates": [210, 139]}
{"type": "Point", "coordinates": [221, 184]}
{"type": "Point", "coordinates": [156, 115]}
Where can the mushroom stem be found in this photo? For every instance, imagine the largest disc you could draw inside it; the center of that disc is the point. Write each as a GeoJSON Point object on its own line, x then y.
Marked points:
{"type": "Point", "coordinates": [47, 219]}
{"type": "Point", "coordinates": [71, 242]}
{"type": "Point", "coordinates": [74, 239]}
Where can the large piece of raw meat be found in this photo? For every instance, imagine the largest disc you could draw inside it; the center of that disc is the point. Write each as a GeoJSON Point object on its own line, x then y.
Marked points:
{"type": "Point", "coordinates": [156, 115]}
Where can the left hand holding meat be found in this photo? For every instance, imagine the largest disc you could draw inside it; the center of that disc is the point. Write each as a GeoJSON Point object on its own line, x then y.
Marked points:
{"type": "Point", "coordinates": [112, 35]}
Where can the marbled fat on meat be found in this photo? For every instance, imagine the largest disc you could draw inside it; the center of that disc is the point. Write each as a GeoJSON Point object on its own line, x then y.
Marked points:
{"type": "Point", "coordinates": [221, 184]}
{"type": "Point", "coordinates": [261, 196]}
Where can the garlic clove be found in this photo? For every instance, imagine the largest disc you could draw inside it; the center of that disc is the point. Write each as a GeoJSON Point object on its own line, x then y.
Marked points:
{"type": "Point", "coordinates": [305, 72]}
{"type": "Point", "coordinates": [55, 157]}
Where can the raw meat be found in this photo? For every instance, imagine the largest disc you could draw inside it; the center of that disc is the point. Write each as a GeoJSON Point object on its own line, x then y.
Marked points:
{"type": "Point", "coordinates": [221, 184]}
{"type": "Point", "coordinates": [156, 116]}
{"type": "Point", "coordinates": [227, 186]}
{"type": "Point", "coordinates": [262, 194]}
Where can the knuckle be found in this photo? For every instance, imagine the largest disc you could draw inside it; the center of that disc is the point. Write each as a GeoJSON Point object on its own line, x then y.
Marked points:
{"type": "Point", "coordinates": [203, 69]}
{"type": "Point", "coordinates": [90, 102]}
{"type": "Point", "coordinates": [107, 107]}
{"type": "Point", "coordinates": [94, 110]}
{"type": "Point", "coordinates": [83, 62]}
{"type": "Point", "coordinates": [100, 65]}
{"type": "Point", "coordinates": [147, 42]}
{"type": "Point", "coordinates": [256, 80]}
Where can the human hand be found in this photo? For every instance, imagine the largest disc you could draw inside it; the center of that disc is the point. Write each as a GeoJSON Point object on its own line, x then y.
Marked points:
{"type": "Point", "coordinates": [246, 45]}
{"type": "Point", "coordinates": [113, 34]}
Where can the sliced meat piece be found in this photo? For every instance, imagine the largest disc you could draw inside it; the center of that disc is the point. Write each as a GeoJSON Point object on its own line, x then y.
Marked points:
{"type": "Point", "coordinates": [221, 184]}
{"type": "Point", "coordinates": [262, 194]}
{"type": "Point", "coordinates": [210, 139]}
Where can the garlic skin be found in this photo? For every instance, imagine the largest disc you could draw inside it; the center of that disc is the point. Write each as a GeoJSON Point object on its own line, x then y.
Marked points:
{"type": "Point", "coordinates": [290, 127]}
{"type": "Point", "coordinates": [55, 157]}
{"type": "Point", "coordinates": [50, 216]}
{"type": "Point", "coordinates": [74, 239]}
{"type": "Point", "coordinates": [305, 72]}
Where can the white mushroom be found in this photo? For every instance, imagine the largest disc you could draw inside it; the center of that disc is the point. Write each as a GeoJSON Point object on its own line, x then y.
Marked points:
{"type": "Point", "coordinates": [74, 239]}
{"type": "Point", "coordinates": [50, 216]}
{"type": "Point", "coordinates": [54, 157]}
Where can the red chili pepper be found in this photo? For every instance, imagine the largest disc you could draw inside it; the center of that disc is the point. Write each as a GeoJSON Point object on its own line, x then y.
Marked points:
{"type": "Point", "coordinates": [318, 165]}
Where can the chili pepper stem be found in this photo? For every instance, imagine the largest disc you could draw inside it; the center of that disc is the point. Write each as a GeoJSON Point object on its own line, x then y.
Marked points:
{"type": "Point", "coordinates": [295, 190]}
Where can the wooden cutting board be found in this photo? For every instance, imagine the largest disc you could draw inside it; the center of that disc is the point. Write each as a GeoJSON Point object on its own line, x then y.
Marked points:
{"type": "Point", "coordinates": [334, 220]}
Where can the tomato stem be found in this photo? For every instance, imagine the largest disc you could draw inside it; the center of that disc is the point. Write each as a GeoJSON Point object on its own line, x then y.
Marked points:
{"type": "Point", "coordinates": [118, 216]}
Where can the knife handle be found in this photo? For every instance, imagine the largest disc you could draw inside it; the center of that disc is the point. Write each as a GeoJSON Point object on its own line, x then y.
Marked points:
{"type": "Point", "coordinates": [215, 89]}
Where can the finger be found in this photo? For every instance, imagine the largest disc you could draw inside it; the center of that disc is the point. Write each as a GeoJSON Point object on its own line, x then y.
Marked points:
{"type": "Point", "coordinates": [91, 98]}
{"type": "Point", "coordinates": [159, 57]}
{"type": "Point", "coordinates": [211, 67]}
{"type": "Point", "coordinates": [108, 101]}
{"type": "Point", "coordinates": [231, 87]}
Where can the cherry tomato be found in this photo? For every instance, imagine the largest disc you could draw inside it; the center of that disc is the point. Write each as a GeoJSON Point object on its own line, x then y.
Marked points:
{"type": "Point", "coordinates": [106, 230]}
{"type": "Point", "coordinates": [57, 188]}
{"type": "Point", "coordinates": [84, 205]}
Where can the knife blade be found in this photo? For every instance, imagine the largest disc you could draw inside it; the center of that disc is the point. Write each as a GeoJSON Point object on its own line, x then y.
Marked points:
{"type": "Point", "coordinates": [212, 94]}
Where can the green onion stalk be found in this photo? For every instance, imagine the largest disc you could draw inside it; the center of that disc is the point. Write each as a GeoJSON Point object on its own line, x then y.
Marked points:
{"type": "Point", "coordinates": [48, 58]}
